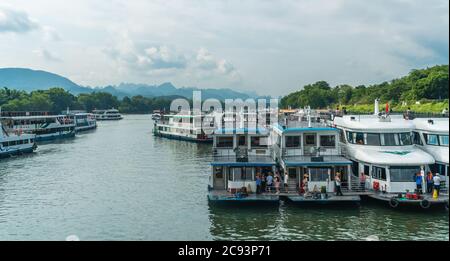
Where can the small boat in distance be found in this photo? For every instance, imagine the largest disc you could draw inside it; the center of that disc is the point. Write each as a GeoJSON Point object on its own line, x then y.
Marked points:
{"type": "Point", "coordinates": [107, 115]}
{"type": "Point", "coordinates": [15, 143]}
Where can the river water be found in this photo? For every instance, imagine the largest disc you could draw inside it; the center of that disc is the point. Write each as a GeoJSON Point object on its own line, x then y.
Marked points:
{"type": "Point", "coordinates": [119, 182]}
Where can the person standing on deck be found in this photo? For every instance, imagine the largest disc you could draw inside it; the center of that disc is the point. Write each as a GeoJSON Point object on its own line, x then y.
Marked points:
{"type": "Point", "coordinates": [419, 183]}
{"type": "Point", "coordinates": [437, 183]}
{"type": "Point", "coordinates": [269, 182]}
{"type": "Point", "coordinates": [277, 184]}
{"type": "Point", "coordinates": [286, 179]}
{"type": "Point", "coordinates": [263, 182]}
{"type": "Point", "coordinates": [337, 180]}
{"type": "Point", "coordinates": [362, 181]}
{"type": "Point", "coordinates": [430, 182]}
{"type": "Point", "coordinates": [258, 184]}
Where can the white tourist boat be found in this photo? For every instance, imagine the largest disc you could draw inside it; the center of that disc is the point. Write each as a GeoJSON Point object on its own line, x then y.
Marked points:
{"type": "Point", "coordinates": [15, 143]}
{"type": "Point", "coordinates": [382, 148]}
{"type": "Point", "coordinates": [431, 135]}
{"type": "Point", "coordinates": [105, 115]}
{"type": "Point", "coordinates": [45, 127]}
{"type": "Point", "coordinates": [184, 126]}
{"type": "Point", "coordinates": [83, 121]}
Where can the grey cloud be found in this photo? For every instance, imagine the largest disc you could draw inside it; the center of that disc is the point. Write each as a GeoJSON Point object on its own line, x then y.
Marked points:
{"type": "Point", "coordinates": [47, 55]}
{"type": "Point", "coordinates": [15, 21]}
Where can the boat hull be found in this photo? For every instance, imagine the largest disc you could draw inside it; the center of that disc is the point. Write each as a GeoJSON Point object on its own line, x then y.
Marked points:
{"type": "Point", "coordinates": [183, 138]}
{"type": "Point", "coordinates": [55, 136]}
{"type": "Point", "coordinates": [6, 154]}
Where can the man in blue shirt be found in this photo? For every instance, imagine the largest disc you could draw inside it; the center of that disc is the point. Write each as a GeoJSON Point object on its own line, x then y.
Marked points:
{"type": "Point", "coordinates": [419, 183]}
{"type": "Point", "coordinates": [258, 184]}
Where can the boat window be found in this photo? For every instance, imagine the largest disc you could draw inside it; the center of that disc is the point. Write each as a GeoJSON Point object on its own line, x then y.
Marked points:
{"type": "Point", "coordinates": [403, 174]}
{"type": "Point", "coordinates": [328, 141]}
{"type": "Point", "coordinates": [379, 173]}
{"type": "Point", "coordinates": [292, 141]}
{"type": "Point", "coordinates": [218, 172]}
{"type": "Point", "coordinates": [5, 144]}
{"type": "Point", "coordinates": [319, 174]}
{"type": "Point", "coordinates": [242, 141]}
{"type": "Point", "coordinates": [224, 142]}
{"type": "Point", "coordinates": [366, 170]}
{"type": "Point", "coordinates": [355, 167]}
{"type": "Point", "coordinates": [431, 139]}
{"type": "Point", "coordinates": [310, 139]}
{"type": "Point", "coordinates": [373, 139]}
{"type": "Point", "coordinates": [241, 174]}
{"type": "Point", "coordinates": [359, 138]}
{"type": "Point", "coordinates": [258, 141]}
{"type": "Point", "coordinates": [405, 139]}
{"type": "Point", "coordinates": [342, 136]}
{"type": "Point", "coordinates": [390, 139]}
{"type": "Point", "coordinates": [350, 136]}
{"type": "Point", "coordinates": [443, 140]}
{"type": "Point", "coordinates": [417, 139]}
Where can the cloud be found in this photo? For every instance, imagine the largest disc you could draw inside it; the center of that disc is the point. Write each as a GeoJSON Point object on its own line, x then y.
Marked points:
{"type": "Point", "coordinates": [15, 21]}
{"type": "Point", "coordinates": [162, 60]}
{"type": "Point", "coordinates": [47, 55]}
{"type": "Point", "coordinates": [50, 34]}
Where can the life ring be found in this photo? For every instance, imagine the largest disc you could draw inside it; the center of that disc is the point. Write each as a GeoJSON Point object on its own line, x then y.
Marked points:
{"type": "Point", "coordinates": [425, 204]}
{"type": "Point", "coordinates": [393, 203]}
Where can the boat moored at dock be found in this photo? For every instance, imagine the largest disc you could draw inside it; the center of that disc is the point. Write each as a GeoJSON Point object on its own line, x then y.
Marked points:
{"type": "Point", "coordinates": [239, 156]}
{"type": "Point", "coordinates": [431, 135]}
{"type": "Point", "coordinates": [45, 127]}
{"type": "Point", "coordinates": [83, 121]}
{"type": "Point", "coordinates": [15, 143]}
{"type": "Point", "coordinates": [385, 158]}
{"type": "Point", "coordinates": [308, 152]}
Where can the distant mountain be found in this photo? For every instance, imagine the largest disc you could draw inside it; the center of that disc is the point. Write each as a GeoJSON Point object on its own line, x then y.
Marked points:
{"type": "Point", "coordinates": [31, 80]}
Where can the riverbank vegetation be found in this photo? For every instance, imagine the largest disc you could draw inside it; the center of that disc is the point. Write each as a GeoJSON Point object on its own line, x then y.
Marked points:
{"type": "Point", "coordinates": [424, 90]}
{"type": "Point", "coordinates": [56, 100]}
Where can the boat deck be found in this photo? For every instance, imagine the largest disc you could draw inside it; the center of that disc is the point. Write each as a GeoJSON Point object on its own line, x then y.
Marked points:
{"type": "Point", "coordinates": [346, 199]}
{"type": "Point", "coordinates": [442, 199]}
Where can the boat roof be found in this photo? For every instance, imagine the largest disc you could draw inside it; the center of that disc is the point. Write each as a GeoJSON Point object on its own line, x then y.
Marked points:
{"type": "Point", "coordinates": [303, 128]}
{"type": "Point", "coordinates": [257, 130]}
{"type": "Point", "coordinates": [435, 125]}
{"type": "Point", "coordinates": [373, 123]}
{"type": "Point", "coordinates": [298, 161]}
{"type": "Point", "coordinates": [33, 117]}
{"type": "Point", "coordinates": [392, 156]}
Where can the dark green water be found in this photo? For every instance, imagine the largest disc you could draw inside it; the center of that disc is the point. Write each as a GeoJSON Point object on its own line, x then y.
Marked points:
{"type": "Point", "coordinates": [121, 183]}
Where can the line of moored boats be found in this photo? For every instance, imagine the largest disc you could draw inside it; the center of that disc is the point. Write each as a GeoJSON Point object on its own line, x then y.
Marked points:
{"type": "Point", "coordinates": [297, 158]}
{"type": "Point", "coordinates": [21, 131]}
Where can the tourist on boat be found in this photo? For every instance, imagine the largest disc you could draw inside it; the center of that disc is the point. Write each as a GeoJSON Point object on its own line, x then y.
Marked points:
{"type": "Point", "coordinates": [305, 184]}
{"type": "Point", "coordinates": [263, 182]}
{"type": "Point", "coordinates": [445, 112]}
{"type": "Point", "coordinates": [337, 181]}
{"type": "Point", "coordinates": [277, 184]}
{"type": "Point", "coordinates": [316, 192]}
{"type": "Point", "coordinates": [269, 181]}
{"type": "Point", "coordinates": [430, 182]}
{"type": "Point", "coordinates": [362, 181]}
{"type": "Point", "coordinates": [419, 183]}
{"type": "Point", "coordinates": [286, 179]}
{"type": "Point", "coordinates": [258, 184]}
{"type": "Point", "coordinates": [437, 183]}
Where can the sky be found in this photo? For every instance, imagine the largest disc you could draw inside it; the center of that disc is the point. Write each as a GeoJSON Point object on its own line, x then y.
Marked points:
{"type": "Point", "coordinates": [269, 47]}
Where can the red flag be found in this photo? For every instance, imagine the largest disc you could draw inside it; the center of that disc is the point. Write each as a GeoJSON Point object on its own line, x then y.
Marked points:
{"type": "Point", "coordinates": [387, 107]}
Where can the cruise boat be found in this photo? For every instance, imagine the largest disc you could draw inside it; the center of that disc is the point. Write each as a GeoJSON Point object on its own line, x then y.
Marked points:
{"type": "Point", "coordinates": [104, 115]}
{"type": "Point", "coordinates": [431, 135]}
{"type": "Point", "coordinates": [184, 126]}
{"type": "Point", "coordinates": [45, 127]}
{"type": "Point", "coordinates": [15, 143]}
{"type": "Point", "coordinates": [239, 156]}
{"type": "Point", "coordinates": [381, 147]}
{"type": "Point", "coordinates": [308, 150]}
